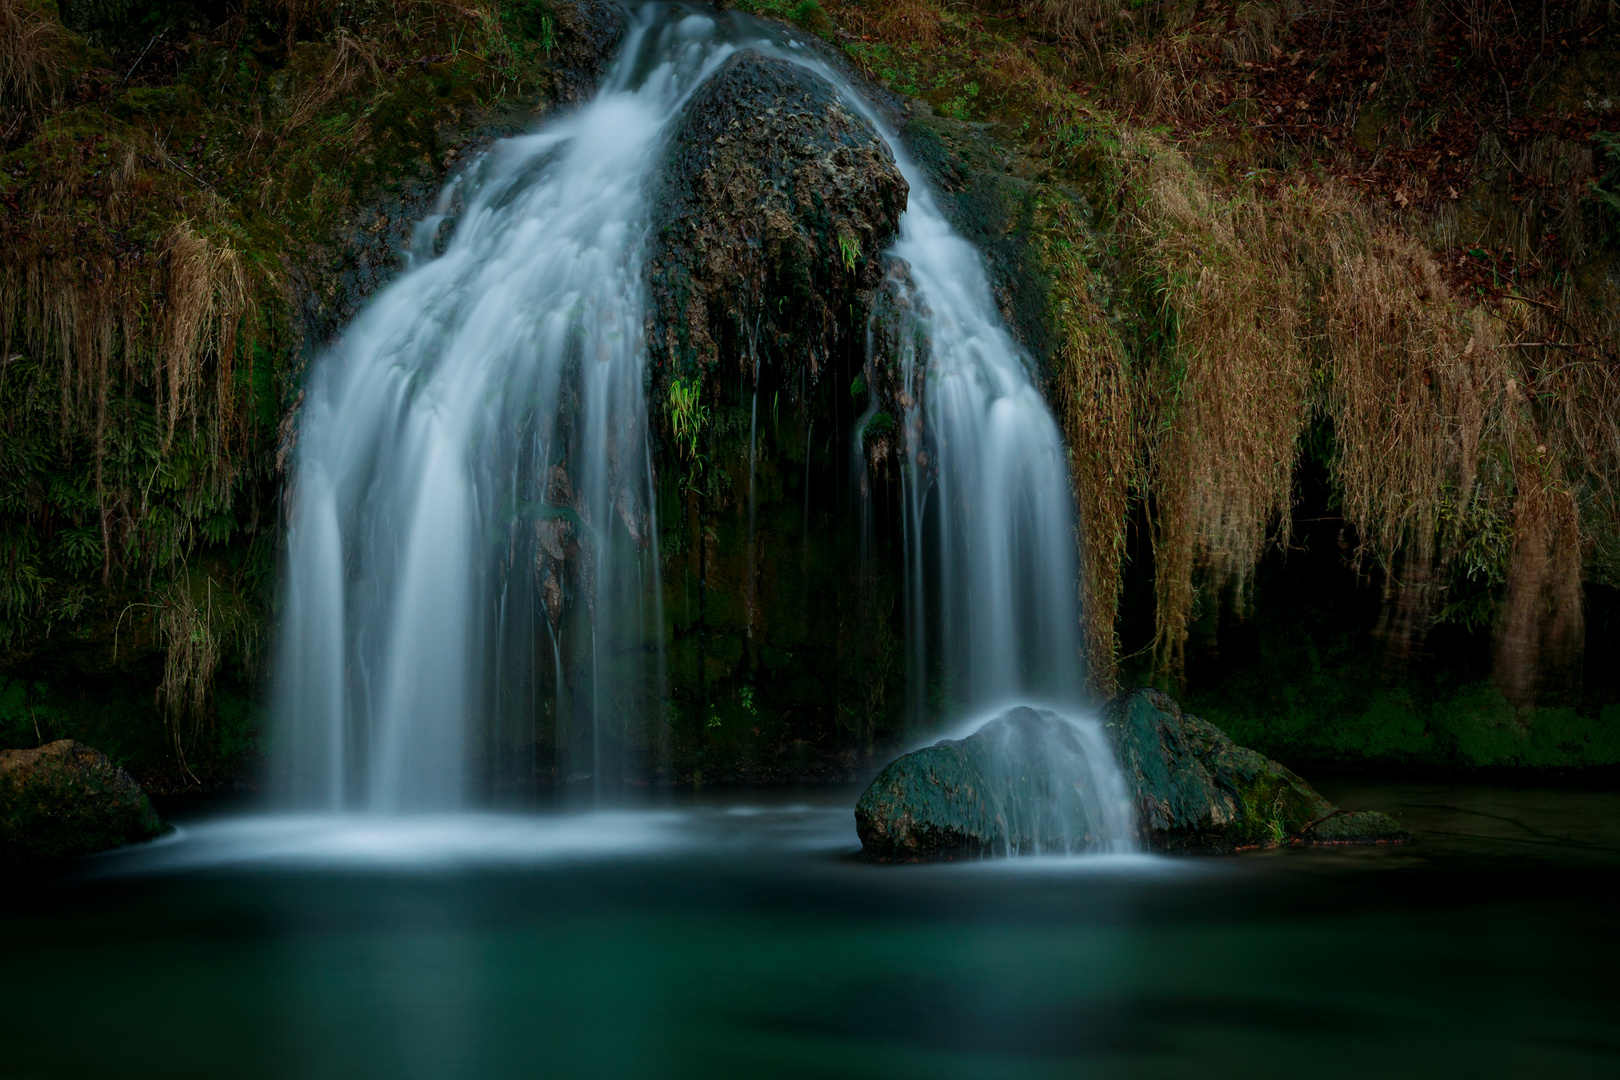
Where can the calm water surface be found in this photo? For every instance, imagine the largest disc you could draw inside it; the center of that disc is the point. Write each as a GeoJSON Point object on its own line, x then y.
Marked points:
{"type": "Point", "coordinates": [734, 935]}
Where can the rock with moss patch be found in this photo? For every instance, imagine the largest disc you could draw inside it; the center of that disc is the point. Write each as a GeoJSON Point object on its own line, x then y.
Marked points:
{"type": "Point", "coordinates": [64, 799]}
{"type": "Point", "coordinates": [1027, 782]}
{"type": "Point", "coordinates": [777, 201]}
{"type": "Point", "coordinates": [1197, 790]}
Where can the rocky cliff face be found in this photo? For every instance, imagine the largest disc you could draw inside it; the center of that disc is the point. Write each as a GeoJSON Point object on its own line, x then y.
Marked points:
{"type": "Point", "coordinates": [267, 170]}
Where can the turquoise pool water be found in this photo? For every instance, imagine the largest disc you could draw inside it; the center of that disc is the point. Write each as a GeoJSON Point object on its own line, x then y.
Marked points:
{"type": "Point", "coordinates": [736, 936]}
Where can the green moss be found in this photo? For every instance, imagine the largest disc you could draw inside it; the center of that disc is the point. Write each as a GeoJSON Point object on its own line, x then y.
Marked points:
{"type": "Point", "coordinates": [805, 14]}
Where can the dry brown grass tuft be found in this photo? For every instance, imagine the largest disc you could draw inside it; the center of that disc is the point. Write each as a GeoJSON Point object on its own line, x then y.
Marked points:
{"type": "Point", "coordinates": [197, 623]}
{"type": "Point", "coordinates": [207, 299]}
{"type": "Point", "coordinates": [33, 55]}
{"type": "Point", "coordinates": [907, 20]}
{"type": "Point", "coordinates": [1074, 20]}
{"type": "Point", "coordinates": [325, 72]}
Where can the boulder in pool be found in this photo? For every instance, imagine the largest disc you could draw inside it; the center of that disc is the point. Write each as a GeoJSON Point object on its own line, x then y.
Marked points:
{"type": "Point", "coordinates": [64, 799]}
{"type": "Point", "coordinates": [1030, 781]}
{"type": "Point", "coordinates": [1194, 789]}
{"type": "Point", "coordinates": [1026, 782]}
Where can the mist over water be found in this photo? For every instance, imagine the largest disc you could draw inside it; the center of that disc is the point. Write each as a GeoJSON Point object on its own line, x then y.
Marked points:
{"type": "Point", "coordinates": [488, 408]}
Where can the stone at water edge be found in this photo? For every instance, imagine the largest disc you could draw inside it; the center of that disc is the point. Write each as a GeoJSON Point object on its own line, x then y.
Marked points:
{"type": "Point", "coordinates": [64, 799]}
{"type": "Point", "coordinates": [1022, 783]}
{"type": "Point", "coordinates": [1197, 790]}
{"type": "Point", "coordinates": [1015, 786]}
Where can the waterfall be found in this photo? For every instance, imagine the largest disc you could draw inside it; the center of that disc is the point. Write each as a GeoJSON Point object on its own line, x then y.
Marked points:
{"type": "Point", "coordinates": [429, 472]}
{"type": "Point", "coordinates": [988, 477]}
{"type": "Point", "coordinates": [480, 431]}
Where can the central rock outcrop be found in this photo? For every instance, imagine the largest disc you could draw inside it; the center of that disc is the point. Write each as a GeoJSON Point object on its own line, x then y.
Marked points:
{"type": "Point", "coordinates": [776, 203]}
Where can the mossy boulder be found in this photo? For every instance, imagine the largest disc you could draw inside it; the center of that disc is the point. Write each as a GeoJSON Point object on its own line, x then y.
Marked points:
{"type": "Point", "coordinates": [1025, 783]}
{"type": "Point", "coordinates": [1197, 790]}
{"type": "Point", "coordinates": [1029, 782]}
{"type": "Point", "coordinates": [64, 799]}
{"type": "Point", "coordinates": [776, 203]}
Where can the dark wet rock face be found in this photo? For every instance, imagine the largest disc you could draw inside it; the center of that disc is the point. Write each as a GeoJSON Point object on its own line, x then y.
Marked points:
{"type": "Point", "coordinates": [64, 800]}
{"type": "Point", "coordinates": [588, 36]}
{"type": "Point", "coordinates": [1197, 790]}
{"type": "Point", "coordinates": [1022, 784]}
{"type": "Point", "coordinates": [775, 206]}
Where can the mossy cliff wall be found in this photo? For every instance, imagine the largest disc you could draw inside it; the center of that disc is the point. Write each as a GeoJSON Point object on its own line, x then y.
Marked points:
{"type": "Point", "coordinates": [196, 197]}
{"type": "Point", "coordinates": [1341, 424]}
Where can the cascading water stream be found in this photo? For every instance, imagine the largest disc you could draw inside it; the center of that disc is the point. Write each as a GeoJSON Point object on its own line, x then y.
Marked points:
{"type": "Point", "coordinates": [432, 439]}
{"type": "Point", "coordinates": [429, 475]}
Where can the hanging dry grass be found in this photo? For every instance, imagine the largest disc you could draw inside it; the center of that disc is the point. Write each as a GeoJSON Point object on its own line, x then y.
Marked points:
{"type": "Point", "coordinates": [33, 59]}
{"type": "Point", "coordinates": [1229, 398]}
{"type": "Point", "coordinates": [1412, 379]}
{"type": "Point", "coordinates": [1541, 633]}
{"type": "Point", "coordinates": [1274, 306]}
{"type": "Point", "coordinates": [165, 324]}
{"type": "Point", "coordinates": [197, 624]}
{"type": "Point", "coordinates": [1093, 383]}
{"type": "Point", "coordinates": [207, 300]}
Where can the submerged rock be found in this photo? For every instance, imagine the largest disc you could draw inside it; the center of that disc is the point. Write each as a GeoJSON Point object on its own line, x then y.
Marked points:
{"type": "Point", "coordinates": [776, 203]}
{"type": "Point", "coordinates": [1027, 782]}
{"type": "Point", "coordinates": [1197, 790]}
{"type": "Point", "coordinates": [1030, 781]}
{"type": "Point", "coordinates": [65, 799]}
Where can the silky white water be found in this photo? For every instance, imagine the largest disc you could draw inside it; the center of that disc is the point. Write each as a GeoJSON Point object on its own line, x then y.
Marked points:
{"type": "Point", "coordinates": [431, 437]}
{"type": "Point", "coordinates": [488, 406]}
{"type": "Point", "coordinates": [995, 497]}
